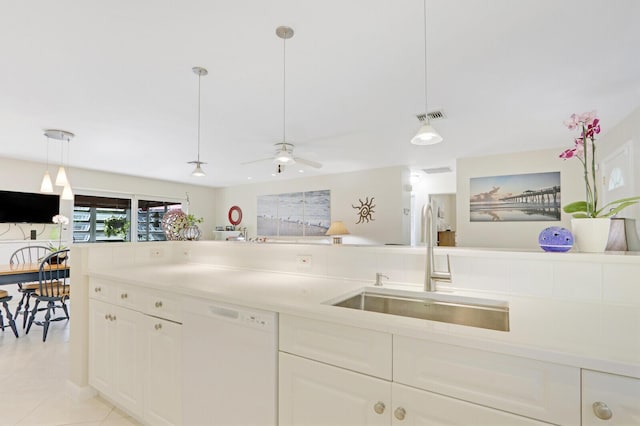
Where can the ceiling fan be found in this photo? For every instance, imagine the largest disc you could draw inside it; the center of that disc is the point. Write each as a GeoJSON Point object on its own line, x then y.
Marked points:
{"type": "Point", "coordinates": [283, 156]}
{"type": "Point", "coordinates": [284, 150]}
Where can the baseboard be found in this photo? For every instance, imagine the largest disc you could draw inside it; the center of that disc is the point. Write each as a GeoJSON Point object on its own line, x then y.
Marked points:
{"type": "Point", "coordinates": [80, 393]}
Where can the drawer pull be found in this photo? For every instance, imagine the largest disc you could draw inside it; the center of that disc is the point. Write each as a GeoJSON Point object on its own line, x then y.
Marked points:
{"type": "Point", "coordinates": [602, 410]}
{"type": "Point", "coordinates": [379, 407]}
{"type": "Point", "coordinates": [400, 413]}
{"type": "Point", "coordinates": [113, 318]}
{"type": "Point", "coordinates": [157, 326]}
{"type": "Point", "coordinates": [107, 316]}
{"type": "Point", "coordinates": [159, 304]}
{"type": "Point", "coordinates": [124, 296]}
{"type": "Point", "coordinates": [97, 289]}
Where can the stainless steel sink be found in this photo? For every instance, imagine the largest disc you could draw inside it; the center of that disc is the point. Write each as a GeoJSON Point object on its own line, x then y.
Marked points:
{"type": "Point", "coordinates": [482, 313]}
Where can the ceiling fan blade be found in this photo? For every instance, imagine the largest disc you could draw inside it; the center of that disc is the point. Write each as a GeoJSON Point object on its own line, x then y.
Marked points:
{"type": "Point", "coordinates": [308, 163]}
{"type": "Point", "coordinates": [256, 161]}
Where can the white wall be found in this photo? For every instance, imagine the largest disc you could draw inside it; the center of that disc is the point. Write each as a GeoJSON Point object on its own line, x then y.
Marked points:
{"type": "Point", "coordinates": [389, 187]}
{"type": "Point", "coordinates": [25, 176]}
{"type": "Point", "coordinates": [611, 140]}
{"type": "Point", "coordinates": [513, 234]}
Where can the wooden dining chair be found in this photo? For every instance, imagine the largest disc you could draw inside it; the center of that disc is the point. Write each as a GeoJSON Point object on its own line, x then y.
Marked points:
{"type": "Point", "coordinates": [29, 254]}
{"type": "Point", "coordinates": [53, 289]}
{"type": "Point", "coordinates": [4, 298]}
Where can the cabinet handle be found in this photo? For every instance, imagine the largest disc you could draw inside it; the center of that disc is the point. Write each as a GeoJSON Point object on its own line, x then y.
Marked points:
{"type": "Point", "coordinates": [113, 318]}
{"type": "Point", "coordinates": [97, 289]}
{"type": "Point", "coordinates": [124, 296]}
{"type": "Point", "coordinates": [400, 413]}
{"type": "Point", "coordinates": [602, 410]}
{"type": "Point", "coordinates": [379, 407]}
{"type": "Point", "coordinates": [157, 326]}
{"type": "Point", "coordinates": [107, 316]}
{"type": "Point", "coordinates": [159, 304]}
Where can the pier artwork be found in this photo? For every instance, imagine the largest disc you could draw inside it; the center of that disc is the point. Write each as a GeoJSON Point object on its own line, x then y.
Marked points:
{"type": "Point", "coordinates": [529, 197]}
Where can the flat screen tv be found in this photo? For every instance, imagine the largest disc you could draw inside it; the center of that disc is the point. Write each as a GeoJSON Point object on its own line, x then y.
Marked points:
{"type": "Point", "coordinates": [27, 207]}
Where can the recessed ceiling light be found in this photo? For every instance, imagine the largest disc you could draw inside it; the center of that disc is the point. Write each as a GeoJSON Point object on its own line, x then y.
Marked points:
{"type": "Point", "coordinates": [249, 178]}
{"type": "Point", "coordinates": [300, 171]}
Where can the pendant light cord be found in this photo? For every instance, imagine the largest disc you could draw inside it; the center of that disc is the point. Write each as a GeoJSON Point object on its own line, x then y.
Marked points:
{"type": "Point", "coordinates": [284, 89]}
{"type": "Point", "coordinates": [47, 154]}
{"type": "Point", "coordinates": [199, 77]}
{"type": "Point", "coordinates": [425, 62]}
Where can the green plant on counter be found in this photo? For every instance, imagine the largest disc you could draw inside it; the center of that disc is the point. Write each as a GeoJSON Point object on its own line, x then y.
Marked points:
{"type": "Point", "coordinates": [192, 219]}
{"type": "Point", "coordinates": [116, 226]}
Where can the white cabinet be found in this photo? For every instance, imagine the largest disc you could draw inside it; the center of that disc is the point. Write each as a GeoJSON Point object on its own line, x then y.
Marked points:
{"type": "Point", "coordinates": [536, 389]}
{"type": "Point", "coordinates": [608, 399]}
{"type": "Point", "coordinates": [135, 358]}
{"type": "Point", "coordinates": [163, 382]}
{"type": "Point", "coordinates": [115, 342]}
{"type": "Point", "coordinates": [313, 393]}
{"type": "Point", "coordinates": [414, 407]}
{"type": "Point", "coordinates": [320, 387]}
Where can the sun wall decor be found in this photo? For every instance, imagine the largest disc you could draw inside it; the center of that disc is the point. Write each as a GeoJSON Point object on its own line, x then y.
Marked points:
{"type": "Point", "coordinates": [365, 210]}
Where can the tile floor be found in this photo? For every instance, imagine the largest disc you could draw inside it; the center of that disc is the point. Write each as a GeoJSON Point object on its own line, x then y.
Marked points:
{"type": "Point", "coordinates": [33, 380]}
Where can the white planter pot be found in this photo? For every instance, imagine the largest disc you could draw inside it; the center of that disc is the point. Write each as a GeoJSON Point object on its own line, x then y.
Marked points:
{"type": "Point", "coordinates": [591, 235]}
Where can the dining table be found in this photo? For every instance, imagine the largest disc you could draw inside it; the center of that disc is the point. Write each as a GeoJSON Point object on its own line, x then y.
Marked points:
{"type": "Point", "coordinates": [27, 272]}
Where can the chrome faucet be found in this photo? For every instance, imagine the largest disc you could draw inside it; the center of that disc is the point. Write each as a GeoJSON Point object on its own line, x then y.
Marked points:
{"type": "Point", "coordinates": [430, 274]}
{"type": "Point", "coordinates": [379, 277]}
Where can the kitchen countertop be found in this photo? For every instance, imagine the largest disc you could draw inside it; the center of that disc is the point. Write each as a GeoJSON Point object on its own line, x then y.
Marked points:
{"type": "Point", "coordinates": [548, 330]}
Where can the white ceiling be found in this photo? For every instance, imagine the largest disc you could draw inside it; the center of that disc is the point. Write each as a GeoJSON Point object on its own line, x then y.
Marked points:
{"type": "Point", "coordinates": [118, 74]}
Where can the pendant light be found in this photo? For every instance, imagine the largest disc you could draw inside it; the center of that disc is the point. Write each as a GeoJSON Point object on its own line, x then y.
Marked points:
{"type": "Point", "coordinates": [47, 186]}
{"type": "Point", "coordinates": [198, 172]}
{"type": "Point", "coordinates": [426, 135]}
{"type": "Point", "coordinates": [62, 179]}
{"type": "Point", "coordinates": [284, 156]}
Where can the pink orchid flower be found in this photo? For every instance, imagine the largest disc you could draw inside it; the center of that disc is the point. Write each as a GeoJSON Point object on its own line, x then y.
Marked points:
{"type": "Point", "coordinates": [567, 153]}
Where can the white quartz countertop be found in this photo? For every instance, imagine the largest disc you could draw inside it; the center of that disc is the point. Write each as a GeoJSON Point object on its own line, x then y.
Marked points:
{"type": "Point", "coordinates": [555, 331]}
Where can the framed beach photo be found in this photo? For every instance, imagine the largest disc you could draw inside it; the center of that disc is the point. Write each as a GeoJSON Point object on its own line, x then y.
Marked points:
{"type": "Point", "coordinates": [294, 214]}
{"type": "Point", "coordinates": [527, 197]}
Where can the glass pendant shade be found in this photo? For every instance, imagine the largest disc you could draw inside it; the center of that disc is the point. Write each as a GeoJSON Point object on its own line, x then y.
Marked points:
{"type": "Point", "coordinates": [61, 177]}
{"type": "Point", "coordinates": [198, 172]}
{"type": "Point", "coordinates": [46, 185]}
{"type": "Point", "coordinates": [426, 135]}
{"type": "Point", "coordinates": [67, 193]}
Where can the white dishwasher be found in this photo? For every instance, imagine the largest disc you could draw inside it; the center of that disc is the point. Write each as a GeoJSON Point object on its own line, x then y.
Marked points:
{"type": "Point", "coordinates": [230, 360]}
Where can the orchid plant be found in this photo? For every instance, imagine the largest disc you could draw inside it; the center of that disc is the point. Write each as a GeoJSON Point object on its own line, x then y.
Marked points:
{"type": "Point", "coordinates": [584, 149]}
{"type": "Point", "coordinates": [59, 220]}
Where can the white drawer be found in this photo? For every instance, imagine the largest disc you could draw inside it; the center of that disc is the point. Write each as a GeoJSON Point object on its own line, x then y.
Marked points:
{"type": "Point", "coordinates": [605, 395]}
{"type": "Point", "coordinates": [357, 349]}
{"type": "Point", "coordinates": [128, 297]}
{"type": "Point", "coordinates": [536, 389]}
{"type": "Point", "coordinates": [100, 289]}
{"type": "Point", "coordinates": [163, 305]}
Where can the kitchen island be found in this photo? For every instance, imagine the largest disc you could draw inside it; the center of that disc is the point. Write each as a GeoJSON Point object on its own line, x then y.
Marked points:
{"type": "Point", "coordinates": [571, 315]}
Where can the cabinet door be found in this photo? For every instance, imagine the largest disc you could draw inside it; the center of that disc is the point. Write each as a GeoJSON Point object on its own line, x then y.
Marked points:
{"type": "Point", "coordinates": [536, 389]}
{"type": "Point", "coordinates": [312, 393]}
{"type": "Point", "coordinates": [163, 376]}
{"type": "Point", "coordinates": [414, 407]}
{"type": "Point", "coordinates": [101, 340]}
{"type": "Point", "coordinates": [127, 353]}
{"type": "Point", "coordinates": [610, 399]}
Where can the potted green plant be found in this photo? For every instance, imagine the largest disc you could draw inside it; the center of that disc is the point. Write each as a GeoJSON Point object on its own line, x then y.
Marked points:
{"type": "Point", "coordinates": [191, 231]}
{"type": "Point", "coordinates": [116, 226]}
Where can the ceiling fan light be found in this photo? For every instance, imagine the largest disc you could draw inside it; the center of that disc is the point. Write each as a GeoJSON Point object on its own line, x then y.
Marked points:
{"type": "Point", "coordinates": [284, 157]}
{"type": "Point", "coordinates": [426, 135]}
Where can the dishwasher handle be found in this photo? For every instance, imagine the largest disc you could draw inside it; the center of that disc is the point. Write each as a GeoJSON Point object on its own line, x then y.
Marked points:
{"type": "Point", "coordinates": [227, 313]}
